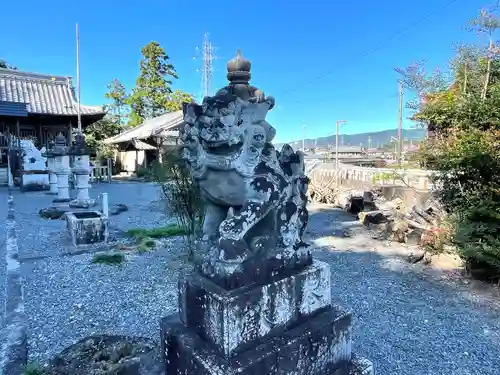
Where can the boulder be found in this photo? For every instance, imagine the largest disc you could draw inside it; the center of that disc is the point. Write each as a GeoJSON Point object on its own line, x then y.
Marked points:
{"type": "Point", "coordinates": [351, 201]}
{"type": "Point", "coordinates": [397, 230]}
{"type": "Point", "coordinates": [368, 196]}
{"type": "Point", "coordinates": [416, 255]}
{"type": "Point", "coordinates": [414, 237]}
{"type": "Point", "coordinates": [108, 355]}
{"type": "Point", "coordinates": [374, 217]}
{"type": "Point", "coordinates": [53, 213]}
{"type": "Point", "coordinates": [116, 209]}
{"type": "Point", "coordinates": [355, 205]}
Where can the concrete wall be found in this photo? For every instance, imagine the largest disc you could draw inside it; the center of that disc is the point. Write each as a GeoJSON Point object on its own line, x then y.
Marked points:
{"type": "Point", "coordinates": [354, 177]}
{"type": "Point", "coordinates": [415, 190]}
{"type": "Point", "coordinates": [129, 160]}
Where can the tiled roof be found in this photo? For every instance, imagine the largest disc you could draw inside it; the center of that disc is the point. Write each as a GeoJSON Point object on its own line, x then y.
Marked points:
{"type": "Point", "coordinates": [140, 145]}
{"type": "Point", "coordinates": [42, 94]}
{"type": "Point", "coordinates": [149, 128]}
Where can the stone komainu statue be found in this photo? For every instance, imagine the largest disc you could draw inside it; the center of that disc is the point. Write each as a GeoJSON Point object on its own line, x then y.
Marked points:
{"type": "Point", "coordinates": [257, 302]}
{"type": "Point", "coordinates": [227, 144]}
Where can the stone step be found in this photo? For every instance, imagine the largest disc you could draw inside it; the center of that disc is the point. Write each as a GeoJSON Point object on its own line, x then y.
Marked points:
{"type": "Point", "coordinates": [234, 320]}
{"type": "Point", "coordinates": [319, 346]}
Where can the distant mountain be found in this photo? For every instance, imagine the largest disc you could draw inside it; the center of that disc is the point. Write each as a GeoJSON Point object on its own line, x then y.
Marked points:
{"type": "Point", "coordinates": [373, 139]}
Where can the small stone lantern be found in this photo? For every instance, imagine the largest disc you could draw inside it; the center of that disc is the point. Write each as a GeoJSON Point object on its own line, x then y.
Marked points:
{"type": "Point", "coordinates": [81, 169]}
{"type": "Point", "coordinates": [61, 169]}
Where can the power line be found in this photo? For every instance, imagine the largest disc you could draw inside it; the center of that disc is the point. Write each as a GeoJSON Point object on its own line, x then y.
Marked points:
{"type": "Point", "coordinates": [368, 52]}
{"type": "Point", "coordinates": [376, 49]}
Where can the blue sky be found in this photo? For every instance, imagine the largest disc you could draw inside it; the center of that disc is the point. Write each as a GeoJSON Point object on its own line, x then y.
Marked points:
{"type": "Point", "coordinates": [320, 59]}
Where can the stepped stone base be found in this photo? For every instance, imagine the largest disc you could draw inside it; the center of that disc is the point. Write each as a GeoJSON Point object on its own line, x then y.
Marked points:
{"type": "Point", "coordinates": [286, 327]}
{"type": "Point", "coordinates": [235, 320]}
{"type": "Point", "coordinates": [320, 346]}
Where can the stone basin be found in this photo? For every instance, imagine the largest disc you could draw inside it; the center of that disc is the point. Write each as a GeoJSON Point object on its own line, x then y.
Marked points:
{"type": "Point", "coordinates": [87, 227]}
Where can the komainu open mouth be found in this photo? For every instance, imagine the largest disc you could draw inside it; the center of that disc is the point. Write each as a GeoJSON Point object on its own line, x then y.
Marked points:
{"type": "Point", "coordinates": [221, 147]}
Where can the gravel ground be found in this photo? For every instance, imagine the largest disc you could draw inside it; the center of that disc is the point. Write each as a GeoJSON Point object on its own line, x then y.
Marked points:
{"type": "Point", "coordinates": [41, 238]}
{"type": "Point", "coordinates": [3, 237]}
{"type": "Point", "coordinates": [405, 322]}
{"type": "Point", "coordinates": [68, 297]}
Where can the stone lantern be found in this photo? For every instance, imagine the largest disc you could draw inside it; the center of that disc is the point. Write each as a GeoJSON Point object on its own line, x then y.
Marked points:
{"type": "Point", "coordinates": [81, 170]}
{"type": "Point", "coordinates": [51, 169]}
{"type": "Point", "coordinates": [61, 168]}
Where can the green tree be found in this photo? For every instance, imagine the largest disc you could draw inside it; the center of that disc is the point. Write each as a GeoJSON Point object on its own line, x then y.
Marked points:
{"type": "Point", "coordinates": [176, 99]}
{"type": "Point", "coordinates": [111, 124]}
{"type": "Point", "coordinates": [466, 149]}
{"type": "Point", "coordinates": [5, 65]}
{"type": "Point", "coordinates": [98, 132]}
{"type": "Point", "coordinates": [118, 108]}
{"type": "Point", "coordinates": [465, 67]}
{"type": "Point", "coordinates": [151, 96]}
{"type": "Point", "coordinates": [420, 83]}
{"type": "Point", "coordinates": [487, 24]}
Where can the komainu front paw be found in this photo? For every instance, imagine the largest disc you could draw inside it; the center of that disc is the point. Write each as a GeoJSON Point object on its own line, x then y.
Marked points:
{"type": "Point", "coordinates": [235, 251]}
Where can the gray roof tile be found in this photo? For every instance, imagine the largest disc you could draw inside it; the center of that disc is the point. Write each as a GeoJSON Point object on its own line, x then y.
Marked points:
{"type": "Point", "coordinates": [42, 93]}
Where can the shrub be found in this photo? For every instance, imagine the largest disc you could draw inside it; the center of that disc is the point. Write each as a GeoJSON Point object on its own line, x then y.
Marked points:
{"type": "Point", "coordinates": [168, 231]}
{"type": "Point", "coordinates": [469, 162]}
{"type": "Point", "coordinates": [181, 194]}
{"type": "Point", "coordinates": [145, 172]}
{"type": "Point", "coordinates": [109, 259]}
{"type": "Point", "coordinates": [32, 369]}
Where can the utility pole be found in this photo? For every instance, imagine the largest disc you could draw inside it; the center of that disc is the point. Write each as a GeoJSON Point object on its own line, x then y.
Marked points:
{"type": "Point", "coordinates": [337, 125]}
{"type": "Point", "coordinates": [400, 122]}
{"type": "Point", "coordinates": [79, 114]}
{"type": "Point", "coordinates": [395, 140]}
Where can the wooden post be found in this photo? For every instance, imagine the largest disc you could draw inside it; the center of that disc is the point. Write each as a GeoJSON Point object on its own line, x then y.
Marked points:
{"type": "Point", "coordinates": [110, 170]}
{"type": "Point", "coordinates": [10, 179]}
{"type": "Point", "coordinates": [18, 133]}
{"type": "Point", "coordinates": [69, 138]}
{"type": "Point", "coordinates": [40, 135]}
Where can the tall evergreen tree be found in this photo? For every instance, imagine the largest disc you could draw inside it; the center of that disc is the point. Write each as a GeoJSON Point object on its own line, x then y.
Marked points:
{"type": "Point", "coordinates": [151, 96]}
{"type": "Point", "coordinates": [118, 108]}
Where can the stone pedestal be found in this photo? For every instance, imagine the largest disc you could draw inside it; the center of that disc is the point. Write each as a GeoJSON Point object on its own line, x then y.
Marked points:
{"type": "Point", "coordinates": [288, 326]}
{"type": "Point", "coordinates": [34, 180]}
{"type": "Point", "coordinates": [62, 171]}
{"type": "Point", "coordinates": [53, 190]}
{"type": "Point", "coordinates": [34, 175]}
{"type": "Point", "coordinates": [87, 228]}
{"type": "Point", "coordinates": [81, 171]}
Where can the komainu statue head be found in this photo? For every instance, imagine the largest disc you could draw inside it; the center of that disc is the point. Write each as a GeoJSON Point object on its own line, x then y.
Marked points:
{"type": "Point", "coordinates": [254, 195]}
